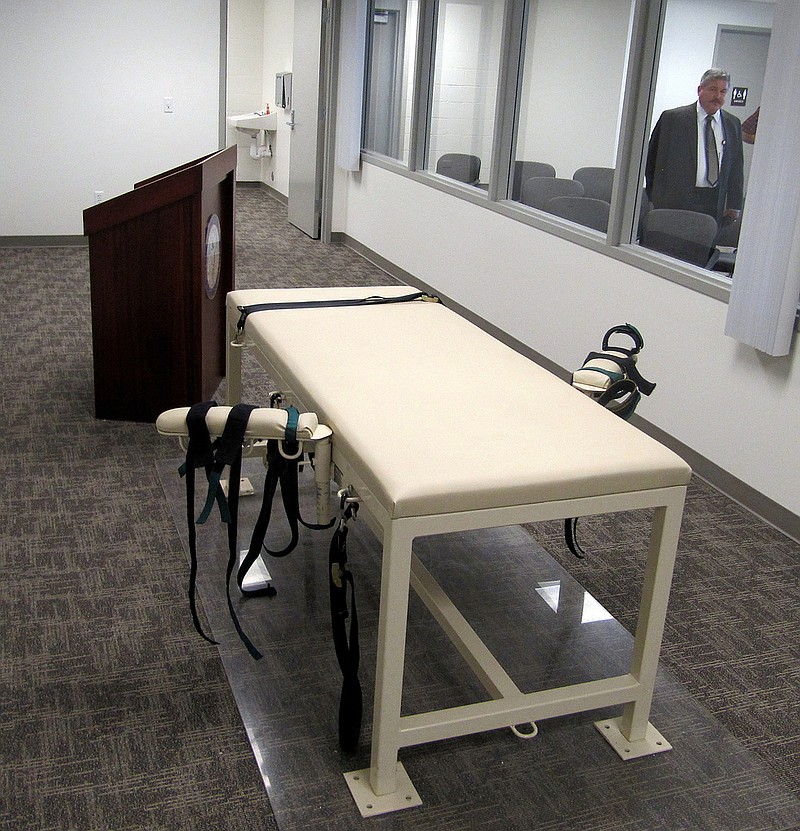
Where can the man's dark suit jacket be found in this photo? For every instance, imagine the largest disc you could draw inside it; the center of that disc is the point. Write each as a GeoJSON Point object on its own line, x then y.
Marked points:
{"type": "Point", "coordinates": [671, 170]}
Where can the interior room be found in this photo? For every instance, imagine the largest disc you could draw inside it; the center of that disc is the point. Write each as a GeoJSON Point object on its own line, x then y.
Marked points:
{"type": "Point", "coordinates": [117, 714]}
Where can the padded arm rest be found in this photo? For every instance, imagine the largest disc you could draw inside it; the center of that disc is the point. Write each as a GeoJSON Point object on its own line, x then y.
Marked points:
{"type": "Point", "coordinates": [264, 423]}
{"type": "Point", "coordinates": [593, 376]}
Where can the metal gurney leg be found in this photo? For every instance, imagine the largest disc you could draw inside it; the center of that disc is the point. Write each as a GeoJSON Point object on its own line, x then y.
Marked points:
{"type": "Point", "coordinates": [385, 786]}
{"type": "Point", "coordinates": [631, 735]}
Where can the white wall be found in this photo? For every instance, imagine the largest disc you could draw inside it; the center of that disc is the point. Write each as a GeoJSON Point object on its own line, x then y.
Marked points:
{"type": "Point", "coordinates": [278, 46]}
{"type": "Point", "coordinates": [82, 100]}
{"type": "Point", "coordinates": [729, 403]}
{"type": "Point", "coordinates": [572, 87]}
{"type": "Point", "coordinates": [465, 80]}
{"type": "Point", "coordinates": [260, 42]}
{"type": "Point", "coordinates": [245, 87]}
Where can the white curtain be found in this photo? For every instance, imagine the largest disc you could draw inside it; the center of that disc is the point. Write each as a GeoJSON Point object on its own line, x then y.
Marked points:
{"type": "Point", "coordinates": [766, 282]}
{"type": "Point", "coordinates": [350, 91]}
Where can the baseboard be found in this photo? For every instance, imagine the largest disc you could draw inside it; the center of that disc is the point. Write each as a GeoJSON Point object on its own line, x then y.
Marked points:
{"type": "Point", "coordinates": [55, 241]}
{"type": "Point", "coordinates": [43, 241]}
{"type": "Point", "coordinates": [275, 194]}
{"type": "Point", "coordinates": [757, 503]}
{"type": "Point", "coordinates": [773, 513]}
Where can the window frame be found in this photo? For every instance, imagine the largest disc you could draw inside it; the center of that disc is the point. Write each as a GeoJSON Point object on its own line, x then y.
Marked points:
{"type": "Point", "coordinates": [645, 34]}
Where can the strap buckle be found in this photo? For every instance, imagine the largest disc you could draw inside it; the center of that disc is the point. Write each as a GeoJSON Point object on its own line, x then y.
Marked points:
{"type": "Point", "coordinates": [239, 341]}
{"type": "Point", "coordinates": [348, 505]}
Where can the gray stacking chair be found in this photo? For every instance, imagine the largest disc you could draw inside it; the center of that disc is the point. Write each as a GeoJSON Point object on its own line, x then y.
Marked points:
{"type": "Point", "coordinates": [685, 235]}
{"type": "Point", "coordinates": [597, 181]}
{"type": "Point", "coordinates": [728, 238]}
{"type": "Point", "coordinates": [539, 190]}
{"type": "Point", "coordinates": [592, 213]}
{"type": "Point", "coordinates": [462, 167]}
{"type": "Point", "coordinates": [644, 208]}
{"type": "Point", "coordinates": [526, 170]}
{"type": "Point", "coordinates": [728, 235]}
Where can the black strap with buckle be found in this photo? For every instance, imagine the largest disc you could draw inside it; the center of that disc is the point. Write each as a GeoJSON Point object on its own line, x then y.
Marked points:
{"type": "Point", "coordinates": [347, 648]}
{"type": "Point", "coordinates": [620, 397]}
{"type": "Point", "coordinates": [373, 300]}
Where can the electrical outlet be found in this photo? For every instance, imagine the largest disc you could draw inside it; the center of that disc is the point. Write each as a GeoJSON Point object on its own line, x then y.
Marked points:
{"type": "Point", "coordinates": [98, 196]}
{"type": "Point", "coordinates": [169, 105]}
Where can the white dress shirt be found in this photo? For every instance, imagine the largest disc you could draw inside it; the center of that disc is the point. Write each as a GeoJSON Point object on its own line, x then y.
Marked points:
{"type": "Point", "coordinates": [716, 124]}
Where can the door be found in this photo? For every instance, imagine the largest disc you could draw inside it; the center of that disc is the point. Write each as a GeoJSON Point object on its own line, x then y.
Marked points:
{"type": "Point", "coordinates": [385, 82]}
{"type": "Point", "coordinates": [306, 118]}
{"type": "Point", "coordinates": [742, 52]}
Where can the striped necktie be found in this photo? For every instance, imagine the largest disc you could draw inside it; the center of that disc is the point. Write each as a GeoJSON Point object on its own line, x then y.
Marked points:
{"type": "Point", "coordinates": [712, 159]}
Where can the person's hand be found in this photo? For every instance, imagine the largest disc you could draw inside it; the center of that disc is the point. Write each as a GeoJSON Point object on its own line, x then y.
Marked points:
{"type": "Point", "coordinates": [730, 215]}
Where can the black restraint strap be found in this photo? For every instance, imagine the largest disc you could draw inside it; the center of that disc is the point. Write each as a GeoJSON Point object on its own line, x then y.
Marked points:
{"type": "Point", "coordinates": [226, 449]}
{"type": "Point", "coordinates": [230, 448]}
{"type": "Point", "coordinates": [625, 329]}
{"type": "Point", "coordinates": [276, 472]}
{"type": "Point", "coordinates": [629, 361]}
{"type": "Point", "coordinates": [347, 651]}
{"type": "Point", "coordinates": [198, 454]}
{"type": "Point", "coordinates": [374, 300]}
{"type": "Point", "coordinates": [284, 472]}
{"type": "Point", "coordinates": [621, 398]}
{"type": "Point", "coordinates": [571, 537]}
{"type": "Point", "coordinates": [214, 456]}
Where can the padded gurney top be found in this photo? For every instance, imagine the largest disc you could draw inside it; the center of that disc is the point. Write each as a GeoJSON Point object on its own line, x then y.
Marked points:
{"type": "Point", "coordinates": [437, 416]}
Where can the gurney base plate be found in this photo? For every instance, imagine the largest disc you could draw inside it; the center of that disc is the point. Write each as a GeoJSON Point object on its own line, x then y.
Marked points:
{"type": "Point", "coordinates": [653, 741]}
{"type": "Point", "coordinates": [370, 805]}
{"type": "Point", "coordinates": [257, 576]}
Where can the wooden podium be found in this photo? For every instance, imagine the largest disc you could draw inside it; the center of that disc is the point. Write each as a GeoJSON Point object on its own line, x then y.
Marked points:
{"type": "Point", "coordinates": [161, 261]}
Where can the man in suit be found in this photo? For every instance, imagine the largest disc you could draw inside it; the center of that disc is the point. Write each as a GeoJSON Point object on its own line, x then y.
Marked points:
{"type": "Point", "coordinates": [694, 160]}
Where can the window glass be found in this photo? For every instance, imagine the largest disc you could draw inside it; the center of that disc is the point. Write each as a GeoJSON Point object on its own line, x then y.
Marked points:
{"type": "Point", "coordinates": [695, 182]}
{"type": "Point", "coordinates": [466, 66]}
{"type": "Point", "coordinates": [390, 77]}
{"type": "Point", "coordinates": [569, 110]}
{"type": "Point", "coordinates": [566, 110]}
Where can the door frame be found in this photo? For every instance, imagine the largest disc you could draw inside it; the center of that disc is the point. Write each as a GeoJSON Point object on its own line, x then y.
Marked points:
{"type": "Point", "coordinates": [329, 81]}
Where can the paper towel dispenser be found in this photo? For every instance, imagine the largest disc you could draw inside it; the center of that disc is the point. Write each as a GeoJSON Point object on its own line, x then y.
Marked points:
{"type": "Point", "coordinates": [283, 90]}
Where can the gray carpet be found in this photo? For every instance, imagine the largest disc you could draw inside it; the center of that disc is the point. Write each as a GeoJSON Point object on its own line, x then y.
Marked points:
{"type": "Point", "coordinates": [117, 716]}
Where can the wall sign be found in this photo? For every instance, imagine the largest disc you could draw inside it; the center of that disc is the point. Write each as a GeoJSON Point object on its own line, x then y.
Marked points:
{"type": "Point", "coordinates": [739, 96]}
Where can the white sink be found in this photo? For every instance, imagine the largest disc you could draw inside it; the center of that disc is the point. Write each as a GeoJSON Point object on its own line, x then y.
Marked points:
{"type": "Point", "coordinates": [253, 122]}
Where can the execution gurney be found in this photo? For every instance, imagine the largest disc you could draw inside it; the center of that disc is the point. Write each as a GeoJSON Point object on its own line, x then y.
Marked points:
{"type": "Point", "coordinates": [438, 427]}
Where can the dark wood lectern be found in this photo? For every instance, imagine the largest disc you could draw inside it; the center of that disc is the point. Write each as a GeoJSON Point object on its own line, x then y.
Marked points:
{"type": "Point", "coordinates": [161, 261]}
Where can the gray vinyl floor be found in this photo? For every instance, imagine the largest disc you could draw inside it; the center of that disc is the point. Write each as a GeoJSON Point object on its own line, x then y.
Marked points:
{"type": "Point", "coordinates": [116, 715]}
{"type": "Point", "coordinates": [545, 629]}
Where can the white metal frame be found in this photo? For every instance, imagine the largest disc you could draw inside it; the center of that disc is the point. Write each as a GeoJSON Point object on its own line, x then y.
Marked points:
{"type": "Point", "coordinates": [385, 786]}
